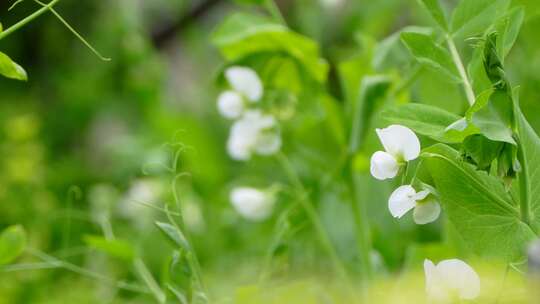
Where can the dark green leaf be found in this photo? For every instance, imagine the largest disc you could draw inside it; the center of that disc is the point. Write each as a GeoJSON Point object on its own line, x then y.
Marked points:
{"type": "Point", "coordinates": [12, 244]}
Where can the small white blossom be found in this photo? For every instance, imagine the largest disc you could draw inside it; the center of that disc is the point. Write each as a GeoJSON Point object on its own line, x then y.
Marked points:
{"type": "Point", "coordinates": [230, 104]}
{"type": "Point", "coordinates": [245, 81]}
{"type": "Point", "coordinates": [451, 280]}
{"type": "Point", "coordinates": [404, 198]}
{"type": "Point", "coordinates": [400, 144]}
{"type": "Point", "coordinates": [253, 204]}
{"type": "Point", "coordinates": [256, 133]}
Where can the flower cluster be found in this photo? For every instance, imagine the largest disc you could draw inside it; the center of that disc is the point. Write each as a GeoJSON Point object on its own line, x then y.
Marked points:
{"type": "Point", "coordinates": [401, 145]}
{"type": "Point", "coordinates": [253, 131]}
{"type": "Point", "coordinates": [450, 279]}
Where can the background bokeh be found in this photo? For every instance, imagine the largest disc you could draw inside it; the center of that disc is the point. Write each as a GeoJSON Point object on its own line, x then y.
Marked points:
{"type": "Point", "coordinates": [85, 139]}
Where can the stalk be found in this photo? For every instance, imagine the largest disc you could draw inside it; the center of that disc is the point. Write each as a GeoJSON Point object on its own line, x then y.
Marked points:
{"type": "Point", "coordinates": [524, 191]}
{"type": "Point", "coordinates": [461, 69]}
{"type": "Point", "coordinates": [26, 20]}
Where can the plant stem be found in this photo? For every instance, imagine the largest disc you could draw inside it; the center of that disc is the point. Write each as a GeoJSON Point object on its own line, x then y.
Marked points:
{"type": "Point", "coordinates": [26, 20]}
{"type": "Point", "coordinates": [273, 9]}
{"type": "Point", "coordinates": [461, 69]}
{"type": "Point", "coordinates": [312, 215]}
{"type": "Point", "coordinates": [524, 193]}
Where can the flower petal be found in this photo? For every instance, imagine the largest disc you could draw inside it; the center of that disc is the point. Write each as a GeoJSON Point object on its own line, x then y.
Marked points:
{"type": "Point", "coordinates": [401, 201]}
{"type": "Point", "coordinates": [400, 141]}
{"type": "Point", "coordinates": [251, 203]}
{"type": "Point", "coordinates": [245, 81]}
{"type": "Point", "coordinates": [230, 104]}
{"type": "Point", "coordinates": [268, 143]}
{"type": "Point", "coordinates": [383, 165]}
{"type": "Point", "coordinates": [435, 287]}
{"type": "Point", "coordinates": [426, 212]}
{"type": "Point", "coordinates": [460, 278]}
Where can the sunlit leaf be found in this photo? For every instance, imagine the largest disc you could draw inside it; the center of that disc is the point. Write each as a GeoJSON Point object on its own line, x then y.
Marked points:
{"type": "Point", "coordinates": [116, 248]}
{"type": "Point", "coordinates": [472, 17]}
{"type": "Point", "coordinates": [436, 12]}
{"type": "Point", "coordinates": [10, 69]}
{"type": "Point", "coordinates": [12, 243]}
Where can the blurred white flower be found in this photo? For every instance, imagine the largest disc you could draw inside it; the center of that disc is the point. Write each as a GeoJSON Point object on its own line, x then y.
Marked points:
{"type": "Point", "coordinates": [141, 192]}
{"type": "Point", "coordinates": [245, 81]}
{"type": "Point", "coordinates": [451, 280]}
{"type": "Point", "coordinates": [256, 133]}
{"type": "Point", "coordinates": [245, 84]}
{"type": "Point", "coordinates": [401, 145]}
{"type": "Point", "coordinates": [253, 204]}
{"type": "Point", "coordinates": [404, 198]}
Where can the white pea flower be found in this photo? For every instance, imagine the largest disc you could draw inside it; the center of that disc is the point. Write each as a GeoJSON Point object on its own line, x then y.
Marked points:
{"type": "Point", "coordinates": [253, 204]}
{"type": "Point", "coordinates": [404, 198]}
{"type": "Point", "coordinates": [245, 84]}
{"type": "Point", "coordinates": [400, 144]}
{"type": "Point", "coordinates": [451, 280]}
{"type": "Point", "coordinates": [256, 133]}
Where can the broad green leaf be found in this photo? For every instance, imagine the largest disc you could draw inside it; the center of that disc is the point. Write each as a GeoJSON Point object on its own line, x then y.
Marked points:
{"type": "Point", "coordinates": [116, 248]}
{"type": "Point", "coordinates": [435, 10]}
{"type": "Point", "coordinates": [426, 51]}
{"type": "Point", "coordinates": [478, 206]}
{"type": "Point", "coordinates": [530, 145]}
{"type": "Point", "coordinates": [508, 28]}
{"type": "Point", "coordinates": [10, 69]}
{"type": "Point", "coordinates": [373, 88]}
{"type": "Point", "coordinates": [241, 35]}
{"type": "Point", "coordinates": [424, 119]}
{"type": "Point", "coordinates": [472, 17]}
{"type": "Point", "coordinates": [12, 243]}
{"type": "Point", "coordinates": [482, 150]}
{"type": "Point", "coordinates": [174, 234]}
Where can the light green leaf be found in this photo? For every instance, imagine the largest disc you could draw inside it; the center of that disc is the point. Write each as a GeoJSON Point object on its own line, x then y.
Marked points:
{"type": "Point", "coordinates": [425, 120]}
{"type": "Point", "coordinates": [472, 17]}
{"type": "Point", "coordinates": [10, 69]}
{"type": "Point", "coordinates": [478, 206]}
{"type": "Point", "coordinates": [241, 35]}
{"type": "Point", "coordinates": [508, 28]}
{"type": "Point", "coordinates": [174, 234]}
{"type": "Point", "coordinates": [435, 10]}
{"type": "Point", "coordinates": [12, 243]}
{"type": "Point", "coordinates": [373, 88]}
{"type": "Point", "coordinates": [116, 248]}
{"type": "Point", "coordinates": [426, 51]}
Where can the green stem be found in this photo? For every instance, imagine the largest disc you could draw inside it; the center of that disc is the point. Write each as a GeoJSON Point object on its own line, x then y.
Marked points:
{"type": "Point", "coordinates": [461, 69]}
{"type": "Point", "coordinates": [26, 20]}
{"type": "Point", "coordinates": [524, 191]}
{"type": "Point", "coordinates": [312, 215]}
{"type": "Point", "coordinates": [273, 9]}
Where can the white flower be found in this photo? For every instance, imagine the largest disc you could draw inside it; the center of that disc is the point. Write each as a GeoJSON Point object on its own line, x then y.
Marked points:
{"type": "Point", "coordinates": [253, 133]}
{"type": "Point", "coordinates": [251, 203]}
{"type": "Point", "coordinates": [245, 81]}
{"type": "Point", "coordinates": [451, 280]}
{"type": "Point", "coordinates": [230, 104]}
{"type": "Point", "coordinates": [401, 144]}
{"type": "Point", "coordinates": [426, 208]}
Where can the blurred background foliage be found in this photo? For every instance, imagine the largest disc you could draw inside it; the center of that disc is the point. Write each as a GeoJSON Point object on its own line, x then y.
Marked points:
{"type": "Point", "coordinates": [84, 144]}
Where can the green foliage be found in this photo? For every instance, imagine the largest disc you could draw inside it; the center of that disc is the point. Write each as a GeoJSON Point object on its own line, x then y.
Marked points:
{"type": "Point", "coordinates": [117, 248]}
{"type": "Point", "coordinates": [478, 206]}
{"type": "Point", "coordinates": [10, 69]}
{"type": "Point", "coordinates": [12, 244]}
{"type": "Point", "coordinates": [242, 35]}
{"type": "Point", "coordinates": [173, 234]}
{"type": "Point", "coordinates": [472, 17]}
{"type": "Point", "coordinates": [424, 48]}
{"type": "Point", "coordinates": [436, 11]}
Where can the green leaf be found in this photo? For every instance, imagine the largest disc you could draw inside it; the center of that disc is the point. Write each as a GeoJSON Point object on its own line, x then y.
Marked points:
{"type": "Point", "coordinates": [174, 235]}
{"type": "Point", "coordinates": [482, 150]}
{"type": "Point", "coordinates": [472, 17]}
{"type": "Point", "coordinates": [373, 88]}
{"type": "Point", "coordinates": [530, 145]}
{"type": "Point", "coordinates": [427, 52]}
{"type": "Point", "coordinates": [241, 35]}
{"type": "Point", "coordinates": [424, 119]}
{"type": "Point", "coordinates": [435, 10]}
{"type": "Point", "coordinates": [478, 206]}
{"type": "Point", "coordinates": [508, 28]}
{"type": "Point", "coordinates": [116, 248]}
{"type": "Point", "coordinates": [10, 69]}
{"type": "Point", "coordinates": [12, 243]}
